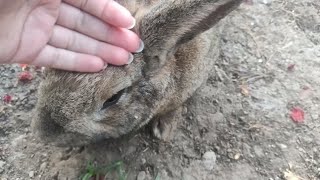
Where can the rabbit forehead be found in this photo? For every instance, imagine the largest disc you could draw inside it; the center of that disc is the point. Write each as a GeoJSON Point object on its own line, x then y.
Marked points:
{"type": "Point", "coordinates": [71, 89]}
{"type": "Point", "coordinates": [72, 81]}
{"type": "Point", "coordinates": [68, 88]}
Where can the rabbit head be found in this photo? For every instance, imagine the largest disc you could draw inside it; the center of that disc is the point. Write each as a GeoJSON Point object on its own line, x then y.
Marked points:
{"type": "Point", "coordinates": [79, 108]}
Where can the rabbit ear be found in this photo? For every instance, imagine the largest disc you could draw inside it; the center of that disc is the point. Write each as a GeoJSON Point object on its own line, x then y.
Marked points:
{"type": "Point", "coordinates": [174, 22]}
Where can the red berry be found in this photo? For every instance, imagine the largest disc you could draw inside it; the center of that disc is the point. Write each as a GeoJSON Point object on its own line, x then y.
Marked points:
{"type": "Point", "coordinates": [7, 98]}
{"type": "Point", "coordinates": [25, 76]}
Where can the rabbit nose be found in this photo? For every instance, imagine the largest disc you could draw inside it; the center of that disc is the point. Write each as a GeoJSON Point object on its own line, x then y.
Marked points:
{"type": "Point", "coordinates": [49, 130]}
{"type": "Point", "coordinates": [45, 127]}
{"type": "Point", "coordinates": [99, 137]}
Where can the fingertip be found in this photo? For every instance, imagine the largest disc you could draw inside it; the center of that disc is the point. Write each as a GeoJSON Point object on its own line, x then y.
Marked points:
{"type": "Point", "coordinates": [92, 65]}
{"type": "Point", "coordinates": [121, 57]}
{"type": "Point", "coordinates": [130, 59]}
{"type": "Point", "coordinates": [105, 66]}
{"type": "Point", "coordinates": [133, 24]}
{"type": "Point", "coordinates": [119, 16]}
{"type": "Point", "coordinates": [141, 47]}
{"type": "Point", "coordinates": [129, 41]}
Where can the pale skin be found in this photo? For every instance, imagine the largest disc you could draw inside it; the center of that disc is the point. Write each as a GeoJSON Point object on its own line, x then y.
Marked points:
{"type": "Point", "coordinates": [73, 35]}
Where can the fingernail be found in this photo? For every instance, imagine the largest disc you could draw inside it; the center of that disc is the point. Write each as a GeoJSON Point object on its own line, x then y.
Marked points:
{"type": "Point", "coordinates": [105, 66]}
{"type": "Point", "coordinates": [141, 47]}
{"type": "Point", "coordinates": [130, 58]}
{"type": "Point", "coordinates": [133, 25]}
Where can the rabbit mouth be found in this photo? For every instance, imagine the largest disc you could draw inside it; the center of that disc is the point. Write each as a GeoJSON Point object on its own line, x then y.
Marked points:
{"type": "Point", "coordinates": [113, 100]}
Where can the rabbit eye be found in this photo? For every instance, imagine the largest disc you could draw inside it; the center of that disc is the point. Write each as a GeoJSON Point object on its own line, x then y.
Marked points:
{"type": "Point", "coordinates": [113, 100]}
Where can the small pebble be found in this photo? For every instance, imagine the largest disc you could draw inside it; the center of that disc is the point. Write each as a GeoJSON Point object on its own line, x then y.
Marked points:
{"type": "Point", "coordinates": [141, 175]}
{"type": "Point", "coordinates": [283, 146]}
{"type": "Point", "coordinates": [43, 166]}
{"type": "Point", "coordinates": [143, 161]}
{"type": "Point", "coordinates": [2, 163]}
{"type": "Point", "coordinates": [31, 174]}
{"type": "Point", "coordinates": [266, 2]}
{"type": "Point", "coordinates": [209, 160]}
{"type": "Point", "coordinates": [237, 156]}
{"type": "Point", "coordinates": [258, 151]}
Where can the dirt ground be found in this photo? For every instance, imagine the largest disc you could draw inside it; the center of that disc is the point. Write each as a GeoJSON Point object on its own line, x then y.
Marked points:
{"type": "Point", "coordinates": [236, 127]}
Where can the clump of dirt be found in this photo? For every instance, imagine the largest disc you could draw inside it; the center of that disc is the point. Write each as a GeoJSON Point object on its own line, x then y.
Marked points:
{"type": "Point", "coordinates": [238, 125]}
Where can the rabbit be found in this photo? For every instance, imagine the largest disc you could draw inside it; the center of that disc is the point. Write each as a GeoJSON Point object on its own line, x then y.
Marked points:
{"type": "Point", "coordinates": [181, 46]}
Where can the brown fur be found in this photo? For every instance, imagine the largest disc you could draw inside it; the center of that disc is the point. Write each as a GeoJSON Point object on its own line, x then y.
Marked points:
{"type": "Point", "coordinates": [179, 53]}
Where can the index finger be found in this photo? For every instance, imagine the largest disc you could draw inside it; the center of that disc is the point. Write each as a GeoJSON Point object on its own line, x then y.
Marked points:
{"type": "Point", "coordinates": [108, 11]}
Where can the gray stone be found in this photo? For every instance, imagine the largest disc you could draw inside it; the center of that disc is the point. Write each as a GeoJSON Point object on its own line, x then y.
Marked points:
{"type": "Point", "coordinates": [31, 174]}
{"type": "Point", "coordinates": [43, 166]}
{"type": "Point", "coordinates": [141, 175]}
{"type": "Point", "coordinates": [2, 163]}
{"type": "Point", "coordinates": [266, 2]}
{"type": "Point", "coordinates": [209, 160]}
{"type": "Point", "coordinates": [258, 151]}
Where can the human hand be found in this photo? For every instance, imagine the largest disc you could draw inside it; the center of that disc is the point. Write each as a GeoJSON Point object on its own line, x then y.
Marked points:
{"type": "Point", "coordinates": [75, 35]}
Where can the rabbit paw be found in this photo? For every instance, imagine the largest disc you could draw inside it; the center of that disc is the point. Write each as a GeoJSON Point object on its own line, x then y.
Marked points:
{"type": "Point", "coordinates": [163, 130]}
{"type": "Point", "coordinates": [163, 127]}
